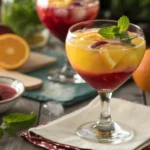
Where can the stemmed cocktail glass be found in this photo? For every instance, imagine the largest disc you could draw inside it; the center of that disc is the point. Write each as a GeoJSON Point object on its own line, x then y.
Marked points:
{"type": "Point", "coordinates": [58, 16]}
{"type": "Point", "coordinates": [105, 64]}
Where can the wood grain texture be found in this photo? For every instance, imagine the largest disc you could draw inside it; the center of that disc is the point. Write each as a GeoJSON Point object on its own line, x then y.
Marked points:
{"type": "Point", "coordinates": [36, 61]}
{"type": "Point", "coordinates": [27, 106]}
{"type": "Point", "coordinates": [29, 82]}
{"type": "Point", "coordinates": [129, 91]}
{"type": "Point", "coordinates": [147, 98]}
{"type": "Point", "coordinates": [16, 143]}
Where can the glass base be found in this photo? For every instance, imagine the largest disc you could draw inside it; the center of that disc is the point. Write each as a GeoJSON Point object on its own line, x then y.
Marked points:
{"type": "Point", "coordinates": [65, 78]}
{"type": "Point", "coordinates": [120, 133]}
{"type": "Point", "coordinates": [66, 75]}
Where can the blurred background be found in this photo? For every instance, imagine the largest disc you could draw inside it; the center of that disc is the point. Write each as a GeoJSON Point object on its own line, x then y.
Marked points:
{"type": "Point", "coordinates": [137, 10]}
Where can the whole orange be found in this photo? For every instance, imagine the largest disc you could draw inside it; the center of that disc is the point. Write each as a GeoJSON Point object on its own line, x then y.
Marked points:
{"type": "Point", "coordinates": [142, 75]}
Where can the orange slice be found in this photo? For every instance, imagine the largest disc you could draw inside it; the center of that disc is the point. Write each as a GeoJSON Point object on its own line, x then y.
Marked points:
{"type": "Point", "coordinates": [60, 3]}
{"type": "Point", "coordinates": [14, 51]}
{"type": "Point", "coordinates": [112, 54]}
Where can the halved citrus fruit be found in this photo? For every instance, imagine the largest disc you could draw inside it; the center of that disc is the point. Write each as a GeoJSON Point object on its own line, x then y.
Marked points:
{"type": "Point", "coordinates": [142, 75]}
{"type": "Point", "coordinates": [14, 51]}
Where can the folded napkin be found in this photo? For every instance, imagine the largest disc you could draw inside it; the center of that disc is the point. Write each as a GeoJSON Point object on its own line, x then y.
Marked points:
{"type": "Point", "coordinates": [66, 94]}
{"type": "Point", "coordinates": [61, 133]}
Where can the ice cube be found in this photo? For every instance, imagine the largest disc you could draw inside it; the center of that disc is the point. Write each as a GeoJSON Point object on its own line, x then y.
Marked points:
{"type": "Point", "coordinates": [78, 14]}
{"type": "Point", "coordinates": [43, 3]}
{"type": "Point", "coordinates": [61, 12]}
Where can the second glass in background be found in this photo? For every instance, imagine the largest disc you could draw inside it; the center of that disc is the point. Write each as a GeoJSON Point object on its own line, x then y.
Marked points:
{"type": "Point", "coordinates": [21, 17]}
{"type": "Point", "coordinates": [58, 16]}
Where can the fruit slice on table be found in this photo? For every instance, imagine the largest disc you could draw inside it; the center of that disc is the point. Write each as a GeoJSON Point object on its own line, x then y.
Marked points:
{"type": "Point", "coordinates": [113, 54]}
{"type": "Point", "coordinates": [14, 51]}
{"type": "Point", "coordinates": [61, 3]}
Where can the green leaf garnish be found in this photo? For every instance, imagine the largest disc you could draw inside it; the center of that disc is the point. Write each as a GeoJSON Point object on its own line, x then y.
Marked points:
{"type": "Point", "coordinates": [125, 38]}
{"type": "Point", "coordinates": [107, 32]}
{"type": "Point", "coordinates": [9, 130]}
{"type": "Point", "coordinates": [16, 121]}
{"type": "Point", "coordinates": [118, 32]}
{"type": "Point", "coordinates": [123, 24]}
{"type": "Point", "coordinates": [20, 121]}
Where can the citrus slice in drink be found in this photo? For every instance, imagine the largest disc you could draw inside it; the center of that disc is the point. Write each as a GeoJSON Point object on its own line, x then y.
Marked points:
{"type": "Point", "coordinates": [134, 55]}
{"type": "Point", "coordinates": [87, 38]}
{"type": "Point", "coordinates": [92, 36]}
{"type": "Point", "coordinates": [112, 54]}
{"type": "Point", "coordinates": [141, 45]}
{"type": "Point", "coordinates": [60, 3]}
{"type": "Point", "coordinates": [14, 51]}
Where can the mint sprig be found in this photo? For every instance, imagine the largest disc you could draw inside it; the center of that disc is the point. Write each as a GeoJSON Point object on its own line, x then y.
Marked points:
{"type": "Point", "coordinates": [107, 32]}
{"type": "Point", "coordinates": [13, 122]}
{"type": "Point", "coordinates": [118, 32]}
{"type": "Point", "coordinates": [123, 24]}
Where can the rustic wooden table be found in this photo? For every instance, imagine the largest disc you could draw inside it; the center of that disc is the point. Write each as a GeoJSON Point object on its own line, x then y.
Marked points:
{"type": "Point", "coordinates": [127, 91]}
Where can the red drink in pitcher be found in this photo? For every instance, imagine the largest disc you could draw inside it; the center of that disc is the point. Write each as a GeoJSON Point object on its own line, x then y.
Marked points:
{"type": "Point", "coordinates": [59, 15]}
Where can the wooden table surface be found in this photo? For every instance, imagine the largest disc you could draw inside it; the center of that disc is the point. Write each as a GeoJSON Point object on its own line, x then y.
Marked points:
{"type": "Point", "coordinates": [127, 91]}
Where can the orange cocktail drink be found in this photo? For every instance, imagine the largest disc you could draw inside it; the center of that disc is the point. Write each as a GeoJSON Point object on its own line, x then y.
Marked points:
{"type": "Point", "coordinates": [105, 53]}
{"type": "Point", "coordinates": [103, 63]}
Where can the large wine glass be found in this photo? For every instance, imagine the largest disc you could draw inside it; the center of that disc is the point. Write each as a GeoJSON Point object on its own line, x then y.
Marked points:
{"type": "Point", "coordinates": [58, 16]}
{"type": "Point", "coordinates": [105, 64]}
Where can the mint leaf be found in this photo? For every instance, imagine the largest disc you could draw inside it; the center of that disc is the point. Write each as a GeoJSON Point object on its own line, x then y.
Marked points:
{"type": "Point", "coordinates": [1, 133]}
{"type": "Point", "coordinates": [123, 24]}
{"type": "Point", "coordinates": [107, 32]}
{"type": "Point", "coordinates": [10, 130]}
{"type": "Point", "coordinates": [125, 38]}
{"type": "Point", "coordinates": [118, 32]}
{"type": "Point", "coordinates": [20, 121]}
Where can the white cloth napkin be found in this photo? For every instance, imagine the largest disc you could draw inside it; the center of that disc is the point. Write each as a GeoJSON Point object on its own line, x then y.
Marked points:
{"type": "Point", "coordinates": [63, 130]}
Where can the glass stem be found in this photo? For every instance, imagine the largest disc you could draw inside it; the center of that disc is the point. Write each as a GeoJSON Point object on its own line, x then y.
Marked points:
{"type": "Point", "coordinates": [67, 69]}
{"type": "Point", "coordinates": [105, 123]}
{"type": "Point", "coordinates": [66, 65]}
